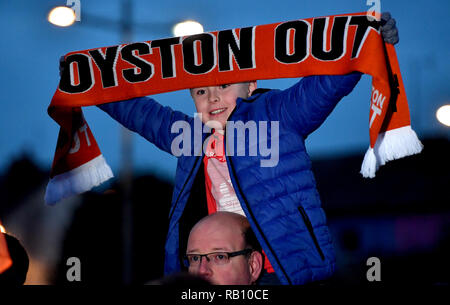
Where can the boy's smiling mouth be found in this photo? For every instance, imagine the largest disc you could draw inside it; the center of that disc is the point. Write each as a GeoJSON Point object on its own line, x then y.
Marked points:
{"type": "Point", "coordinates": [217, 111]}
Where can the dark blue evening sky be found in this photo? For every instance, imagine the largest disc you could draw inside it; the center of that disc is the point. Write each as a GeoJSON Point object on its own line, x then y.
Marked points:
{"type": "Point", "coordinates": [31, 48]}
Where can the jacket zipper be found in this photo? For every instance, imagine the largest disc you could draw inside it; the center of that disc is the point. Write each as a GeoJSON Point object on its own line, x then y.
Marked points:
{"type": "Point", "coordinates": [311, 231]}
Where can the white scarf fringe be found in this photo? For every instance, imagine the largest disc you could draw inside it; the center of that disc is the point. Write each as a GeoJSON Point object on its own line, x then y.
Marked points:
{"type": "Point", "coordinates": [78, 180]}
{"type": "Point", "coordinates": [392, 144]}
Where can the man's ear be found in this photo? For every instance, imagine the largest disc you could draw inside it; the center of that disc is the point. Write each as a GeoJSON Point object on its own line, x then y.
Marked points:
{"type": "Point", "coordinates": [251, 87]}
{"type": "Point", "coordinates": [255, 265]}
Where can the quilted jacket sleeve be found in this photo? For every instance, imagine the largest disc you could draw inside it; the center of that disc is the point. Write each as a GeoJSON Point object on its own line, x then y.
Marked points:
{"type": "Point", "coordinates": [308, 103]}
{"type": "Point", "coordinates": [148, 118]}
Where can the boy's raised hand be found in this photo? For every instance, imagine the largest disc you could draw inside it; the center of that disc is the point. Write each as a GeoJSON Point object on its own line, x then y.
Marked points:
{"type": "Point", "coordinates": [389, 30]}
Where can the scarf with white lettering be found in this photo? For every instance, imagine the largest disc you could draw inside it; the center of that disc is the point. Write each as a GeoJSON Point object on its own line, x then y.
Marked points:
{"type": "Point", "coordinates": [337, 44]}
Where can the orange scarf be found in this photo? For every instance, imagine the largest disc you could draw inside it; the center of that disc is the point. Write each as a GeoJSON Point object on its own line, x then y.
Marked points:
{"type": "Point", "coordinates": [324, 45]}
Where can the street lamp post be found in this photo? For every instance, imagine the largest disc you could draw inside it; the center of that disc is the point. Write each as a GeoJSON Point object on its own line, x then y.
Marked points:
{"type": "Point", "coordinates": [127, 162]}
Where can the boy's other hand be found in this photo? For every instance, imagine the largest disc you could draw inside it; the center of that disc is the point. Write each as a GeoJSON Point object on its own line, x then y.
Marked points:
{"type": "Point", "coordinates": [389, 29]}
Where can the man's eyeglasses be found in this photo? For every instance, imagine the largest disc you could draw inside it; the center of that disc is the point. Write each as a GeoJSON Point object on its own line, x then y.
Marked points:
{"type": "Point", "coordinates": [217, 258]}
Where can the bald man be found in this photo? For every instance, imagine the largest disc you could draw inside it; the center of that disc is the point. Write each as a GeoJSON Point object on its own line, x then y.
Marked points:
{"type": "Point", "coordinates": [223, 250]}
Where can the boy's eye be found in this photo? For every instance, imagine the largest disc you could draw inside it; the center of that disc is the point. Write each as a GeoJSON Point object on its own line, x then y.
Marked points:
{"type": "Point", "coordinates": [200, 92]}
{"type": "Point", "coordinates": [224, 86]}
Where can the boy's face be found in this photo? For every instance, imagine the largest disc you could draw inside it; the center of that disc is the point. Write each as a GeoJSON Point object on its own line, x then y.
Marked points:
{"type": "Point", "coordinates": [216, 103]}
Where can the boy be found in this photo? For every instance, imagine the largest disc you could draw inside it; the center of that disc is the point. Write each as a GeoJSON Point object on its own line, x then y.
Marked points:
{"type": "Point", "coordinates": [281, 202]}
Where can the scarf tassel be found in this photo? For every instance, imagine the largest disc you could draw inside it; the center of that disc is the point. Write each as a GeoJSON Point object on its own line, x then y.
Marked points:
{"type": "Point", "coordinates": [78, 180]}
{"type": "Point", "coordinates": [390, 145]}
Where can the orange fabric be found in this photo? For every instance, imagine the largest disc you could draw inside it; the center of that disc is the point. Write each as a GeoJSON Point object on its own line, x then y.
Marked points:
{"type": "Point", "coordinates": [77, 149]}
{"type": "Point", "coordinates": [267, 264]}
{"type": "Point", "coordinates": [5, 259]}
{"type": "Point", "coordinates": [279, 50]}
{"type": "Point", "coordinates": [210, 201]}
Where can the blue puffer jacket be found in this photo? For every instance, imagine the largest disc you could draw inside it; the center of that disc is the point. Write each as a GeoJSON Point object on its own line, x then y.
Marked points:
{"type": "Point", "coordinates": [281, 203]}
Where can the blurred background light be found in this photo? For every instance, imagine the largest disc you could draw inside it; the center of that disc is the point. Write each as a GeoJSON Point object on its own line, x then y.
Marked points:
{"type": "Point", "coordinates": [188, 27]}
{"type": "Point", "coordinates": [443, 115]}
{"type": "Point", "coordinates": [62, 16]}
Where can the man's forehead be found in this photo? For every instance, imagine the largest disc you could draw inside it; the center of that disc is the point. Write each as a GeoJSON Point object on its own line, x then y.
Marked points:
{"type": "Point", "coordinates": [210, 237]}
{"type": "Point", "coordinates": [207, 242]}
{"type": "Point", "coordinates": [209, 250]}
